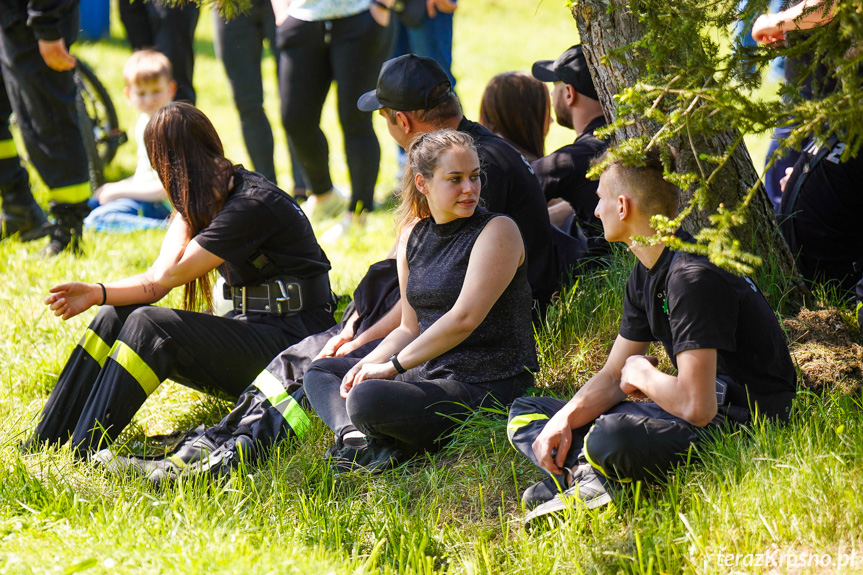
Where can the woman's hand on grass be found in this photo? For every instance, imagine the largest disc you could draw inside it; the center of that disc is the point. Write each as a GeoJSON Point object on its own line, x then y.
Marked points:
{"type": "Point", "coordinates": [68, 300]}
{"type": "Point", "coordinates": [360, 373]}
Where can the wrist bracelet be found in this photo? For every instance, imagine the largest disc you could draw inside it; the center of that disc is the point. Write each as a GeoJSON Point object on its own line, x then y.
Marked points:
{"type": "Point", "coordinates": [380, 5]}
{"type": "Point", "coordinates": [104, 293]}
{"type": "Point", "coordinates": [396, 363]}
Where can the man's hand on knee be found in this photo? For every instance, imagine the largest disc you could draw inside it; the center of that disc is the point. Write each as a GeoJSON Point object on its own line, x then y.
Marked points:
{"type": "Point", "coordinates": [553, 443]}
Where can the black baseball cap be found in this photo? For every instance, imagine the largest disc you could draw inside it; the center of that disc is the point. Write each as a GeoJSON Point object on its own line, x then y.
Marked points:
{"type": "Point", "coordinates": [569, 68]}
{"type": "Point", "coordinates": [406, 83]}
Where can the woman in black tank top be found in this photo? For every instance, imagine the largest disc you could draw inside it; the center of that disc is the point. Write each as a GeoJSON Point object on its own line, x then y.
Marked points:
{"type": "Point", "coordinates": [465, 339]}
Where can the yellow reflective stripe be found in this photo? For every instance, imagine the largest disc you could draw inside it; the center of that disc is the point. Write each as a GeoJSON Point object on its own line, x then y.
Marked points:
{"type": "Point", "coordinates": [179, 463]}
{"type": "Point", "coordinates": [74, 194]}
{"type": "Point", "coordinates": [593, 463]}
{"type": "Point", "coordinates": [137, 367]}
{"type": "Point", "coordinates": [295, 416]}
{"type": "Point", "coordinates": [8, 149]}
{"type": "Point", "coordinates": [95, 346]}
{"type": "Point", "coordinates": [520, 421]}
{"type": "Point", "coordinates": [271, 387]}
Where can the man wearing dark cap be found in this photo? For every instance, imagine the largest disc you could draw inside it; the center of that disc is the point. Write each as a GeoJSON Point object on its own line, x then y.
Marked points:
{"type": "Point", "coordinates": [415, 96]}
{"type": "Point", "coordinates": [562, 173]}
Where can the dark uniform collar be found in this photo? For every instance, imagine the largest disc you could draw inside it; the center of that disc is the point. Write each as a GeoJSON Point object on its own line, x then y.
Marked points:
{"type": "Point", "coordinates": [591, 127]}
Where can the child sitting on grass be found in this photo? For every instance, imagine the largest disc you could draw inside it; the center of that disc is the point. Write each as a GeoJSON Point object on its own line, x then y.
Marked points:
{"type": "Point", "coordinates": [138, 202]}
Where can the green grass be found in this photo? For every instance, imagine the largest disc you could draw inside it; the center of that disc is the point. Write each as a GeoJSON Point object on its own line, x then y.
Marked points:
{"type": "Point", "coordinates": [791, 490]}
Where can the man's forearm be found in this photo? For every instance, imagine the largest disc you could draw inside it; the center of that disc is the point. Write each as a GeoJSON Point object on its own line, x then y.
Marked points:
{"type": "Point", "coordinates": [598, 395]}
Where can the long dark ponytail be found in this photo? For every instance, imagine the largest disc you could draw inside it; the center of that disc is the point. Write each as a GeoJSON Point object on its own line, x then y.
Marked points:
{"type": "Point", "coordinates": [186, 152]}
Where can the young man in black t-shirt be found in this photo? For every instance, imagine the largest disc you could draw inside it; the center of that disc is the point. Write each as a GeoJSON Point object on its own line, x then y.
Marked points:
{"type": "Point", "coordinates": [717, 328]}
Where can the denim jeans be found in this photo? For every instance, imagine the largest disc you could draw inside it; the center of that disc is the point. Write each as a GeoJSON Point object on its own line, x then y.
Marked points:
{"type": "Point", "coordinates": [127, 215]}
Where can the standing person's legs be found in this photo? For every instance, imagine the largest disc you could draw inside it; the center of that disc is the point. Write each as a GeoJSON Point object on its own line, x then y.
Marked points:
{"type": "Point", "coordinates": [21, 214]}
{"type": "Point", "coordinates": [136, 21]}
{"type": "Point", "coordinates": [360, 46]}
{"type": "Point", "coordinates": [44, 104]}
{"type": "Point", "coordinates": [173, 34]}
{"type": "Point", "coordinates": [239, 44]}
{"type": "Point", "coordinates": [304, 80]}
{"type": "Point", "coordinates": [201, 351]}
{"type": "Point", "coordinates": [433, 39]}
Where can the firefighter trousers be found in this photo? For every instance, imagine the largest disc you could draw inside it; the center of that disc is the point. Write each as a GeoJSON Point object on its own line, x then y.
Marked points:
{"type": "Point", "coordinates": [127, 352]}
{"type": "Point", "coordinates": [44, 104]}
{"type": "Point", "coordinates": [632, 441]}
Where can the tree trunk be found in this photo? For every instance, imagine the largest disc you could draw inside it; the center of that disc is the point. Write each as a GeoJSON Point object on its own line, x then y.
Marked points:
{"type": "Point", "coordinates": [606, 26]}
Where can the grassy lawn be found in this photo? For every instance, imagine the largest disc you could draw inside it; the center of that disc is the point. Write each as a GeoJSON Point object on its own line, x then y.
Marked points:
{"type": "Point", "coordinates": [786, 497]}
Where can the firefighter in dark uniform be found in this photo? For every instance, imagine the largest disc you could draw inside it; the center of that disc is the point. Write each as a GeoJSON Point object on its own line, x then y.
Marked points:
{"type": "Point", "coordinates": [38, 77]}
{"type": "Point", "coordinates": [227, 218]}
{"type": "Point", "coordinates": [21, 214]}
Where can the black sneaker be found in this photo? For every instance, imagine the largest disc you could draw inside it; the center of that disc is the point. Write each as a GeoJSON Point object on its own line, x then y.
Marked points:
{"type": "Point", "coordinates": [364, 453]}
{"type": "Point", "coordinates": [204, 457]}
{"type": "Point", "coordinates": [141, 465]}
{"type": "Point", "coordinates": [588, 489]}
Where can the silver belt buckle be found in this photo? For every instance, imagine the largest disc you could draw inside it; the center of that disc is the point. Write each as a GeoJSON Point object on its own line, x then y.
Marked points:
{"type": "Point", "coordinates": [286, 297]}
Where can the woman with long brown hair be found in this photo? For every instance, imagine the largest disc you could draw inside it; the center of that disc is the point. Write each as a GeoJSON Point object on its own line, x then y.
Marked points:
{"type": "Point", "coordinates": [227, 218]}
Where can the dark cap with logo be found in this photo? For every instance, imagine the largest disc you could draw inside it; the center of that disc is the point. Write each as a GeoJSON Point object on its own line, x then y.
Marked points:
{"type": "Point", "coordinates": [406, 83]}
{"type": "Point", "coordinates": [569, 68]}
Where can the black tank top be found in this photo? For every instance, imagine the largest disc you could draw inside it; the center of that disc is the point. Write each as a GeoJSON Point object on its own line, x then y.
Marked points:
{"type": "Point", "coordinates": [502, 346]}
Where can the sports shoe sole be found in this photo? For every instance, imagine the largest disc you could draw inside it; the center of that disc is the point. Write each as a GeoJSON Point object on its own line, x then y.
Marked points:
{"type": "Point", "coordinates": [562, 502]}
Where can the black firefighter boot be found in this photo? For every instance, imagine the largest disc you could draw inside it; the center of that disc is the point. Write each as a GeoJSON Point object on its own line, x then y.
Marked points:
{"type": "Point", "coordinates": [21, 214]}
{"type": "Point", "coordinates": [67, 229]}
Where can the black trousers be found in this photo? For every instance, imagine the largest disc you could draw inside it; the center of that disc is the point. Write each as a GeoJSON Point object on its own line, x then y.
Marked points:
{"type": "Point", "coordinates": [168, 29]}
{"type": "Point", "coordinates": [44, 104]}
{"type": "Point", "coordinates": [414, 412]}
{"type": "Point", "coordinates": [631, 441]}
{"type": "Point", "coordinates": [348, 51]}
{"type": "Point", "coordinates": [128, 351]}
{"type": "Point", "coordinates": [13, 176]}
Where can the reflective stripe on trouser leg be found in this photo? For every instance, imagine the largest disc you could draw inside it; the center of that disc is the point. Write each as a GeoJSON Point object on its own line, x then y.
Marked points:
{"type": "Point", "coordinates": [292, 412]}
{"type": "Point", "coordinates": [137, 367]}
{"type": "Point", "coordinates": [8, 149]}
{"type": "Point", "coordinates": [520, 421]}
{"type": "Point", "coordinates": [95, 346]}
{"type": "Point", "coordinates": [74, 194]}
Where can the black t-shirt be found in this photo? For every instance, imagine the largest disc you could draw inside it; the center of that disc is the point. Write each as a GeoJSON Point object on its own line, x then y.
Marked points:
{"type": "Point", "coordinates": [510, 187]}
{"type": "Point", "coordinates": [826, 216]}
{"type": "Point", "coordinates": [259, 217]}
{"type": "Point", "coordinates": [562, 175]}
{"type": "Point", "coordinates": [685, 302]}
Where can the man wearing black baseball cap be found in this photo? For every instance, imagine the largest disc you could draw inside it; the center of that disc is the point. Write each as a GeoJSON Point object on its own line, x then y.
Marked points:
{"type": "Point", "coordinates": [415, 96]}
{"type": "Point", "coordinates": [562, 173]}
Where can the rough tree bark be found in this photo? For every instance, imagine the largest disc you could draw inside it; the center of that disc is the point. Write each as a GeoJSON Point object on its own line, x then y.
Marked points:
{"type": "Point", "coordinates": [605, 26]}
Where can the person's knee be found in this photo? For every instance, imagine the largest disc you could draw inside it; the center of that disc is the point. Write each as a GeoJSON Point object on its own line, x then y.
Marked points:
{"type": "Point", "coordinates": [627, 447]}
{"type": "Point", "coordinates": [367, 409]}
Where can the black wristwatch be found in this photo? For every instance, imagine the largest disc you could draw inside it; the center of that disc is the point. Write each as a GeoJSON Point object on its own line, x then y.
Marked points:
{"type": "Point", "coordinates": [395, 359]}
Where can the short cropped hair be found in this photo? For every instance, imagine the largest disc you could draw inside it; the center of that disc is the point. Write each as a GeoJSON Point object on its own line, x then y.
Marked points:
{"type": "Point", "coordinates": [449, 108]}
{"type": "Point", "coordinates": [652, 193]}
{"type": "Point", "coordinates": [147, 66]}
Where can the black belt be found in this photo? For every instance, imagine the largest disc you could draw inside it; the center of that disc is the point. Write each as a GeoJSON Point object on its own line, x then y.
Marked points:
{"type": "Point", "coordinates": [281, 295]}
